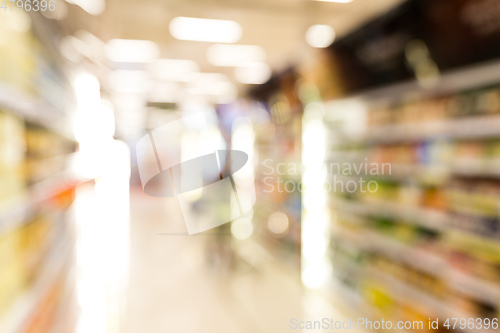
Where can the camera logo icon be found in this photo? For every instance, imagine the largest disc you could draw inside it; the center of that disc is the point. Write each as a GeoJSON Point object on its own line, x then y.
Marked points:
{"type": "Point", "coordinates": [211, 184]}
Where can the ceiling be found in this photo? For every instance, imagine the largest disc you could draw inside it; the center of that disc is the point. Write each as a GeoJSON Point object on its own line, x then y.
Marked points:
{"type": "Point", "coordinates": [277, 25]}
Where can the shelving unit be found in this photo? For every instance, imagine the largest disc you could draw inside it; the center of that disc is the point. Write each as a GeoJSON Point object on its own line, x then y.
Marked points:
{"type": "Point", "coordinates": [426, 241]}
{"type": "Point", "coordinates": [24, 209]}
{"type": "Point", "coordinates": [459, 129]}
{"type": "Point", "coordinates": [24, 309]}
{"type": "Point", "coordinates": [32, 109]}
{"type": "Point", "coordinates": [36, 146]}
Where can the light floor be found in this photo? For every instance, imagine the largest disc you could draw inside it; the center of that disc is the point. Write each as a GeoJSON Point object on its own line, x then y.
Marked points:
{"type": "Point", "coordinates": [178, 284]}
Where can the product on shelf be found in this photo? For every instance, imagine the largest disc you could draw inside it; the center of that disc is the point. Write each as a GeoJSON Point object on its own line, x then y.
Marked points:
{"type": "Point", "coordinates": [17, 51]}
{"type": "Point", "coordinates": [12, 151]}
{"type": "Point", "coordinates": [12, 274]}
{"type": "Point", "coordinates": [34, 194]}
{"type": "Point", "coordinates": [429, 236]}
{"type": "Point", "coordinates": [46, 154]}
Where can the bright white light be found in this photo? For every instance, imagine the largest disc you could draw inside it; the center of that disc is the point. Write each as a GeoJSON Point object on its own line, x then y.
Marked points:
{"type": "Point", "coordinates": [315, 226]}
{"type": "Point", "coordinates": [93, 7]}
{"type": "Point", "coordinates": [177, 70]}
{"type": "Point", "coordinates": [86, 163]}
{"type": "Point", "coordinates": [205, 30]}
{"type": "Point", "coordinates": [253, 73]}
{"type": "Point", "coordinates": [113, 185]}
{"type": "Point", "coordinates": [243, 136]}
{"type": "Point", "coordinates": [132, 51]}
{"type": "Point", "coordinates": [91, 286]}
{"type": "Point", "coordinates": [314, 178]}
{"type": "Point", "coordinates": [88, 91]}
{"type": "Point", "coordinates": [242, 228]}
{"type": "Point", "coordinates": [102, 250]}
{"type": "Point", "coordinates": [315, 275]}
{"type": "Point", "coordinates": [94, 125]}
{"type": "Point", "coordinates": [320, 35]}
{"type": "Point", "coordinates": [234, 55]}
{"type": "Point", "coordinates": [126, 81]}
{"type": "Point", "coordinates": [93, 128]}
{"type": "Point", "coordinates": [312, 200]}
{"type": "Point", "coordinates": [314, 249]}
{"type": "Point", "coordinates": [314, 141]}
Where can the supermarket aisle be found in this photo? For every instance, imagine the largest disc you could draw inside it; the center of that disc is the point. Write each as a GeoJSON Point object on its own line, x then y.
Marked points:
{"type": "Point", "coordinates": [172, 287]}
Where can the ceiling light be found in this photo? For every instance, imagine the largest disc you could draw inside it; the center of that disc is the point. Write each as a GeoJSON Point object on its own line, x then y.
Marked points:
{"type": "Point", "coordinates": [320, 35]}
{"type": "Point", "coordinates": [132, 51]}
{"type": "Point", "coordinates": [253, 73]}
{"type": "Point", "coordinates": [94, 125]}
{"type": "Point", "coordinates": [234, 55]}
{"type": "Point", "coordinates": [175, 70]}
{"type": "Point", "coordinates": [87, 91]}
{"type": "Point", "coordinates": [205, 30]}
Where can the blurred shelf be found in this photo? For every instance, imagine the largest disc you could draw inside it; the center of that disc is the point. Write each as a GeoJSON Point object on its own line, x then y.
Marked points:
{"type": "Point", "coordinates": [474, 286]}
{"type": "Point", "coordinates": [356, 143]}
{"type": "Point", "coordinates": [402, 292]}
{"type": "Point", "coordinates": [372, 241]}
{"type": "Point", "coordinates": [465, 78]}
{"type": "Point", "coordinates": [460, 167]}
{"type": "Point", "coordinates": [34, 110]}
{"type": "Point", "coordinates": [19, 210]}
{"type": "Point", "coordinates": [479, 127]}
{"type": "Point", "coordinates": [355, 303]}
{"type": "Point", "coordinates": [433, 264]}
{"type": "Point", "coordinates": [25, 306]}
{"type": "Point", "coordinates": [435, 220]}
{"type": "Point", "coordinates": [431, 219]}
